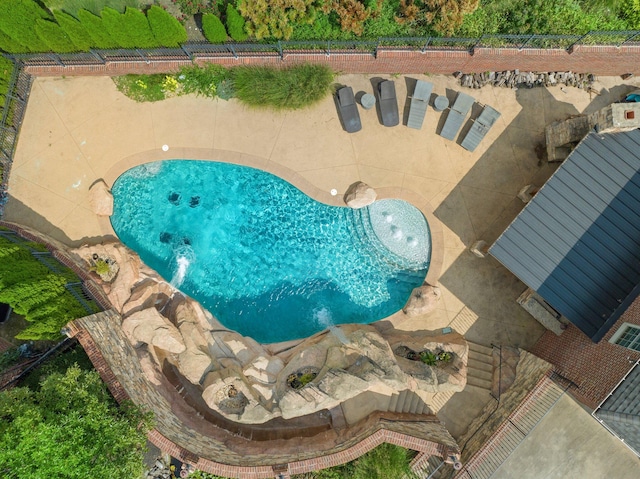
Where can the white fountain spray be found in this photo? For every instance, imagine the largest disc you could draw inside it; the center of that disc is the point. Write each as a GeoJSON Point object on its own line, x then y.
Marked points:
{"type": "Point", "coordinates": [323, 317]}
{"type": "Point", "coordinates": [184, 258]}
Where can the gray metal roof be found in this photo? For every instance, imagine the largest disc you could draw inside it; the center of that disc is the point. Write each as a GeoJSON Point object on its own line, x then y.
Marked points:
{"type": "Point", "coordinates": [577, 242]}
{"type": "Point", "coordinates": [621, 411]}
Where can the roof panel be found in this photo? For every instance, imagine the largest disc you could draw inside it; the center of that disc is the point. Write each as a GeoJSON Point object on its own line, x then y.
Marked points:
{"type": "Point", "coordinates": [577, 242]}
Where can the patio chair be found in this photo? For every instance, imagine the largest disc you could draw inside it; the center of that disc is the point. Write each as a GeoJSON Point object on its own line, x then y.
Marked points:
{"type": "Point", "coordinates": [456, 116]}
{"type": "Point", "coordinates": [388, 103]}
{"type": "Point", "coordinates": [480, 128]}
{"type": "Point", "coordinates": [419, 103]}
{"type": "Point", "coordinates": [348, 110]}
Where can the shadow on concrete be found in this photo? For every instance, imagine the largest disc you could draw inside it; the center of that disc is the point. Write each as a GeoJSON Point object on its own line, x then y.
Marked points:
{"type": "Point", "coordinates": [17, 212]}
{"type": "Point", "coordinates": [483, 204]}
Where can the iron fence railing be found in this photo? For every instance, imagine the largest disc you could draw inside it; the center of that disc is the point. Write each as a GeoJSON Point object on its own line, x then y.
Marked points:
{"type": "Point", "coordinates": [193, 50]}
{"type": "Point", "coordinates": [15, 105]}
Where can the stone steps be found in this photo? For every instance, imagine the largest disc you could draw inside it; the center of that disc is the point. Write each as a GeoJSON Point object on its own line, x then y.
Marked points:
{"type": "Point", "coordinates": [408, 402]}
{"type": "Point", "coordinates": [480, 366]}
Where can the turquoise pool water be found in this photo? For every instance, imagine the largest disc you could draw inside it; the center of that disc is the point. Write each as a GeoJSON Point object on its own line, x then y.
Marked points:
{"type": "Point", "coordinates": [264, 258]}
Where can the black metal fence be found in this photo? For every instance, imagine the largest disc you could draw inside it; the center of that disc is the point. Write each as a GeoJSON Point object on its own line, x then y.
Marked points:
{"type": "Point", "coordinates": [192, 51]}
{"type": "Point", "coordinates": [12, 114]}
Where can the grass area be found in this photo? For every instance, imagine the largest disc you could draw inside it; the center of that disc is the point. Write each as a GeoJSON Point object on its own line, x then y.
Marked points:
{"type": "Point", "coordinates": [256, 86]}
{"type": "Point", "coordinates": [94, 6]}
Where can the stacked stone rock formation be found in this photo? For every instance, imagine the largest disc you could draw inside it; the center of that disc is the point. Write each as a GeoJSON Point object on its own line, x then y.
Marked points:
{"type": "Point", "coordinates": [247, 381]}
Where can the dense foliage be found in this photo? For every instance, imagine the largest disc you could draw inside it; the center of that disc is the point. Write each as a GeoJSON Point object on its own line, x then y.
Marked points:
{"type": "Point", "coordinates": [75, 30]}
{"type": "Point", "coordinates": [70, 427]}
{"type": "Point", "coordinates": [276, 18]}
{"type": "Point", "coordinates": [54, 37]}
{"type": "Point", "coordinates": [235, 24]}
{"type": "Point", "coordinates": [166, 28]}
{"type": "Point", "coordinates": [18, 22]}
{"type": "Point", "coordinates": [291, 88]}
{"type": "Point", "coordinates": [36, 293]}
{"type": "Point", "coordinates": [213, 29]}
{"type": "Point", "coordinates": [6, 70]}
{"type": "Point", "coordinates": [130, 29]}
{"type": "Point", "coordinates": [384, 462]}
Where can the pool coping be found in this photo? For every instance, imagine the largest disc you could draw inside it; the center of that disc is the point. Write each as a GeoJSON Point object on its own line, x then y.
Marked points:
{"type": "Point", "coordinates": [297, 180]}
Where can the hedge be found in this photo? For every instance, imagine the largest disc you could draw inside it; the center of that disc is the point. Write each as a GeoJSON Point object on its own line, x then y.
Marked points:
{"type": "Point", "coordinates": [131, 29]}
{"type": "Point", "coordinates": [96, 29]}
{"type": "Point", "coordinates": [213, 28]}
{"type": "Point", "coordinates": [235, 24]}
{"type": "Point", "coordinates": [18, 22]}
{"type": "Point", "coordinates": [54, 37]}
{"type": "Point", "coordinates": [165, 27]}
{"type": "Point", "coordinates": [76, 31]}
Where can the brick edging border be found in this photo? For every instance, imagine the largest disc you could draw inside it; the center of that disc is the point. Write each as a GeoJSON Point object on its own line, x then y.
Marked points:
{"type": "Point", "coordinates": [599, 60]}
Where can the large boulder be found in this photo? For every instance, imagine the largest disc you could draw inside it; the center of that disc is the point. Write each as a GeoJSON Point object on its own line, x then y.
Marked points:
{"type": "Point", "coordinates": [147, 294]}
{"type": "Point", "coordinates": [359, 195]}
{"type": "Point", "coordinates": [150, 327]}
{"type": "Point", "coordinates": [423, 300]}
{"type": "Point", "coordinates": [100, 199]}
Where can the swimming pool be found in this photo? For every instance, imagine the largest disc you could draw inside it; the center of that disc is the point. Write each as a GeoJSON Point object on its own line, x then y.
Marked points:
{"type": "Point", "coordinates": [263, 257]}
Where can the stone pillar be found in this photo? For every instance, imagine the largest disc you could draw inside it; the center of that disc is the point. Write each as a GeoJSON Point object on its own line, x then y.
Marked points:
{"type": "Point", "coordinates": [527, 193]}
{"type": "Point", "coordinates": [480, 249]}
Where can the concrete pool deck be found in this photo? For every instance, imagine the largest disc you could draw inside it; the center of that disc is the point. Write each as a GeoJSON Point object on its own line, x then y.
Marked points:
{"type": "Point", "coordinates": [78, 130]}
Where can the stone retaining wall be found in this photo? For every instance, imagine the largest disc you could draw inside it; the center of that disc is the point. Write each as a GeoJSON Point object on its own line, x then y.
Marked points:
{"type": "Point", "coordinates": [600, 60]}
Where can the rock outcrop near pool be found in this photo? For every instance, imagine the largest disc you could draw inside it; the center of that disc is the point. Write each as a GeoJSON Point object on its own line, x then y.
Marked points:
{"type": "Point", "coordinates": [252, 383]}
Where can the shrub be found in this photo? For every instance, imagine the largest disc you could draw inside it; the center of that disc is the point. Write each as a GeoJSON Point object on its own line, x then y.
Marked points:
{"type": "Point", "coordinates": [131, 29]}
{"type": "Point", "coordinates": [292, 88]}
{"type": "Point", "coordinates": [202, 81]}
{"type": "Point", "coordinates": [54, 37]}
{"type": "Point", "coordinates": [165, 28]}
{"type": "Point", "coordinates": [213, 28]}
{"type": "Point", "coordinates": [75, 30]}
{"type": "Point", "coordinates": [235, 24]}
{"type": "Point", "coordinates": [142, 88]}
{"type": "Point", "coordinates": [96, 29]}
{"type": "Point", "coordinates": [9, 45]}
{"type": "Point", "coordinates": [18, 22]}
{"type": "Point", "coordinates": [276, 19]}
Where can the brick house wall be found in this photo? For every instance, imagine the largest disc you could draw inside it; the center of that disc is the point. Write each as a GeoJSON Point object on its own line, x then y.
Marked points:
{"type": "Point", "coordinates": [594, 368]}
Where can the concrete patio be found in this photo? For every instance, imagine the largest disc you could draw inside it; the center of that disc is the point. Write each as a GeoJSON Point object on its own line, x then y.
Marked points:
{"type": "Point", "coordinates": [78, 130]}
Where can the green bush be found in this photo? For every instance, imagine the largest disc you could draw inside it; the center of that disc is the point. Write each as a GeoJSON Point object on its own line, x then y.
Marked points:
{"type": "Point", "coordinates": [75, 30]}
{"type": "Point", "coordinates": [202, 81]}
{"type": "Point", "coordinates": [130, 30]}
{"type": "Point", "coordinates": [95, 27]}
{"type": "Point", "coordinates": [235, 24]}
{"type": "Point", "coordinates": [142, 88]}
{"type": "Point", "coordinates": [166, 29]}
{"type": "Point", "coordinates": [9, 45]}
{"type": "Point", "coordinates": [33, 291]}
{"type": "Point", "coordinates": [213, 28]}
{"type": "Point", "coordinates": [291, 89]}
{"type": "Point", "coordinates": [18, 22]}
{"type": "Point", "coordinates": [54, 37]}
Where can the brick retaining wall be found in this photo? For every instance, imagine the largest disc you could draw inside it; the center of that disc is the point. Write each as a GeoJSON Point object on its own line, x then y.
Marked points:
{"type": "Point", "coordinates": [600, 60]}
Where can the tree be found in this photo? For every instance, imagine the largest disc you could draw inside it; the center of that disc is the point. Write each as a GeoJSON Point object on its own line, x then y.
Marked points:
{"type": "Point", "coordinates": [70, 427]}
{"type": "Point", "coordinates": [54, 37]}
{"type": "Point", "coordinates": [18, 22]}
{"type": "Point", "coordinates": [274, 18]}
{"type": "Point", "coordinates": [130, 29]}
{"type": "Point", "coordinates": [94, 26]}
{"type": "Point", "coordinates": [36, 293]}
{"type": "Point", "coordinates": [352, 14]}
{"type": "Point", "coordinates": [76, 31]}
{"type": "Point", "coordinates": [235, 24]}
{"type": "Point", "coordinates": [213, 28]}
{"type": "Point", "coordinates": [447, 15]}
{"type": "Point", "coordinates": [166, 29]}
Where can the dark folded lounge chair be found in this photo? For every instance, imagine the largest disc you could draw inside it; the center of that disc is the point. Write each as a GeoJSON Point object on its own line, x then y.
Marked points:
{"type": "Point", "coordinates": [388, 103]}
{"type": "Point", "coordinates": [348, 110]}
